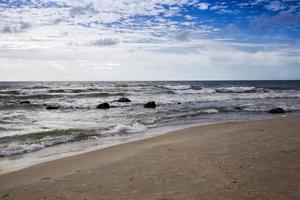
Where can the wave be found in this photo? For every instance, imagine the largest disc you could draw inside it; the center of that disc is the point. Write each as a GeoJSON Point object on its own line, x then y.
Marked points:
{"type": "Point", "coordinates": [2, 129]}
{"type": "Point", "coordinates": [271, 95]}
{"type": "Point", "coordinates": [194, 89]}
{"type": "Point", "coordinates": [210, 111]}
{"type": "Point", "coordinates": [19, 144]}
{"type": "Point", "coordinates": [4, 121]}
{"type": "Point", "coordinates": [58, 95]}
{"type": "Point", "coordinates": [101, 94]}
{"type": "Point", "coordinates": [17, 105]}
{"type": "Point", "coordinates": [127, 128]}
{"type": "Point", "coordinates": [191, 113]}
{"type": "Point", "coordinates": [198, 91]}
{"type": "Point", "coordinates": [9, 92]}
{"type": "Point", "coordinates": [35, 87]}
{"type": "Point", "coordinates": [241, 90]}
{"type": "Point", "coordinates": [72, 90]}
{"type": "Point", "coordinates": [56, 91]}
{"type": "Point", "coordinates": [122, 85]}
{"type": "Point", "coordinates": [175, 87]}
{"type": "Point", "coordinates": [16, 148]}
{"type": "Point", "coordinates": [38, 96]}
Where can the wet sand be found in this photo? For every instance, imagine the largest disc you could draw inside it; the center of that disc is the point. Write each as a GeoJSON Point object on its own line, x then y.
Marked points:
{"type": "Point", "coordinates": [234, 160]}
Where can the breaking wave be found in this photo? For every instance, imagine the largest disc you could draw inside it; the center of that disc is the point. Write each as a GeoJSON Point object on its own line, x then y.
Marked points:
{"type": "Point", "coordinates": [241, 90]}
{"type": "Point", "coordinates": [194, 89]}
{"type": "Point", "coordinates": [125, 129]}
{"type": "Point", "coordinates": [72, 90]}
{"type": "Point", "coordinates": [175, 87]}
{"type": "Point", "coordinates": [20, 144]}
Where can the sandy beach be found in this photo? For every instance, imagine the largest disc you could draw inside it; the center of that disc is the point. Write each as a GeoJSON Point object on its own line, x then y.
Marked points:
{"type": "Point", "coordinates": [233, 160]}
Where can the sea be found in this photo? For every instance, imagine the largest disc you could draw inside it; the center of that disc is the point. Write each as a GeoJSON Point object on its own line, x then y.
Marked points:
{"type": "Point", "coordinates": [30, 133]}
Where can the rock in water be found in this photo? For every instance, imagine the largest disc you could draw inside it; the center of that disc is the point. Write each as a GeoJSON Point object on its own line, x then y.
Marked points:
{"type": "Point", "coordinates": [150, 104]}
{"type": "Point", "coordinates": [52, 107]}
{"type": "Point", "coordinates": [124, 100]}
{"type": "Point", "coordinates": [276, 111]}
{"type": "Point", "coordinates": [24, 102]}
{"type": "Point", "coordinates": [103, 106]}
{"type": "Point", "coordinates": [238, 108]}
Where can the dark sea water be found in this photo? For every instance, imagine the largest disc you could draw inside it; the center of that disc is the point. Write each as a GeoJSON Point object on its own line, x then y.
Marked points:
{"type": "Point", "coordinates": [31, 127]}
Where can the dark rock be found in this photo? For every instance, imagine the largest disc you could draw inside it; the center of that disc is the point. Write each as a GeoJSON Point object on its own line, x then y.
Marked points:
{"type": "Point", "coordinates": [150, 104]}
{"type": "Point", "coordinates": [124, 100]}
{"type": "Point", "coordinates": [178, 103]}
{"type": "Point", "coordinates": [24, 102]}
{"type": "Point", "coordinates": [103, 106]}
{"type": "Point", "coordinates": [52, 107]}
{"type": "Point", "coordinates": [276, 111]}
{"type": "Point", "coordinates": [238, 108]}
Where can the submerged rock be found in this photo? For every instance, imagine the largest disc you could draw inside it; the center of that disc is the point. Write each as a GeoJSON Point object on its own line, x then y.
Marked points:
{"type": "Point", "coordinates": [52, 107]}
{"type": "Point", "coordinates": [124, 100]}
{"type": "Point", "coordinates": [276, 111]}
{"type": "Point", "coordinates": [103, 106]}
{"type": "Point", "coordinates": [25, 102]}
{"type": "Point", "coordinates": [150, 104]}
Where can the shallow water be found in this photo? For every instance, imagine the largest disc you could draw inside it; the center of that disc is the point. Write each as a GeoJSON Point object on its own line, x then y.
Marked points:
{"type": "Point", "coordinates": [20, 161]}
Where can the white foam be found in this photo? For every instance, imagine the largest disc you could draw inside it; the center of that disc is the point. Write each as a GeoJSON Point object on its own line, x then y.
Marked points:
{"type": "Point", "coordinates": [176, 87]}
{"type": "Point", "coordinates": [192, 91]}
{"type": "Point", "coordinates": [123, 128]}
{"type": "Point", "coordinates": [239, 88]}
{"type": "Point", "coordinates": [17, 148]}
{"type": "Point", "coordinates": [210, 111]}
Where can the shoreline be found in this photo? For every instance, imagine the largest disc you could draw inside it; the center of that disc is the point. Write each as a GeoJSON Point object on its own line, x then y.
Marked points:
{"type": "Point", "coordinates": [231, 160]}
{"type": "Point", "coordinates": [82, 149]}
{"type": "Point", "coordinates": [17, 162]}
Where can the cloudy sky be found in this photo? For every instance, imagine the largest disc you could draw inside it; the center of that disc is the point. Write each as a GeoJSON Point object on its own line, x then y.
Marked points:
{"type": "Point", "coordinates": [149, 39]}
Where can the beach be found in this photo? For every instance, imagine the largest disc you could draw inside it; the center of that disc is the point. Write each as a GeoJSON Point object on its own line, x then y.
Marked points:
{"type": "Point", "coordinates": [232, 160]}
{"type": "Point", "coordinates": [149, 100]}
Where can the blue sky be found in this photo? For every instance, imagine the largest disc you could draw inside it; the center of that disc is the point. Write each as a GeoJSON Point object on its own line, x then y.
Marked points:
{"type": "Point", "coordinates": [149, 40]}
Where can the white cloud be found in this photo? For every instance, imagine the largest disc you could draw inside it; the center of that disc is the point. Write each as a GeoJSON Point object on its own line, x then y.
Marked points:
{"type": "Point", "coordinates": [122, 40]}
{"type": "Point", "coordinates": [105, 42]}
{"type": "Point", "coordinates": [77, 23]}
{"type": "Point", "coordinates": [182, 36]}
{"type": "Point", "coordinates": [202, 6]}
{"type": "Point", "coordinates": [196, 59]}
{"type": "Point", "coordinates": [275, 6]}
{"type": "Point", "coordinates": [13, 26]}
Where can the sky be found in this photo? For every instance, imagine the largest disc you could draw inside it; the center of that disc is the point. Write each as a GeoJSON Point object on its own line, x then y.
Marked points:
{"type": "Point", "coordinates": [100, 40]}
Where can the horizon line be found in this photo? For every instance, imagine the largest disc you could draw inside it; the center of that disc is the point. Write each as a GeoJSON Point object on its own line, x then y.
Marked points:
{"type": "Point", "coordinates": [182, 80]}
